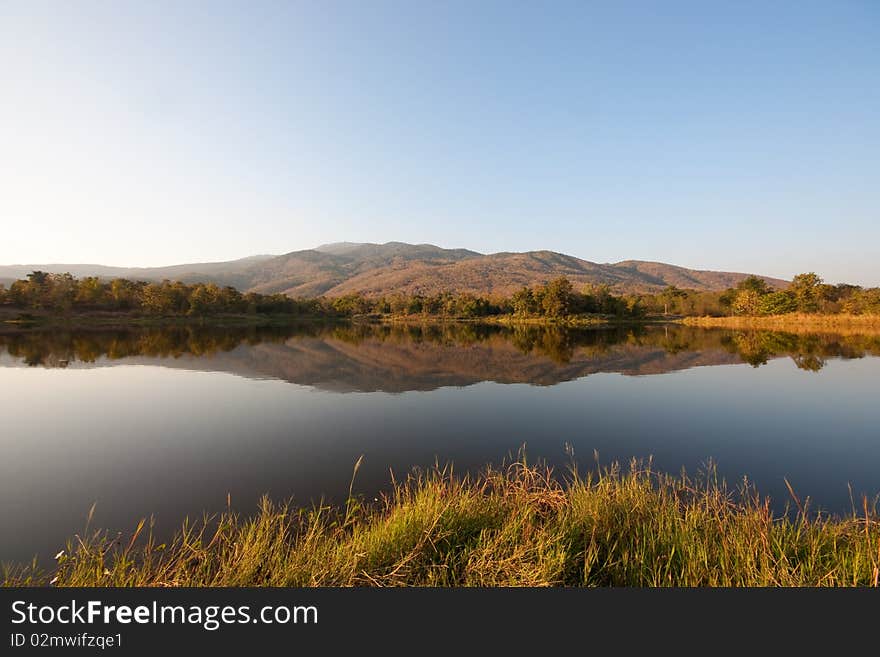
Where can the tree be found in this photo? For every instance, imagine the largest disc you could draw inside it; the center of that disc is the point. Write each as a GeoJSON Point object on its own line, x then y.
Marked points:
{"type": "Point", "coordinates": [414, 305]}
{"type": "Point", "coordinates": [863, 301]}
{"type": "Point", "coordinates": [669, 295]}
{"type": "Point", "coordinates": [805, 288]}
{"type": "Point", "coordinates": [34, 291]}
{"type": "Point", "coordinates": [777, 303]}
{"type": "Point", "coordinates": [89, 291]}
{"type": "Point", "coordinates": [154, 299]}
{"type": "Point", "coordinates": [38, 278]}
{"type": "Point", "coordinates": [727, 298]}
{"type": "Point", "coordinates": [633, 306]}
{"type": "Point", "coordinates": [251, 302]}
{"type": "Point", "coordinates": [231, 300]}
{"type": "Point", "coordinates": [17, 294]}
{"type": "Point", "coordinates": [746, 302]}
{"type": "Point", "coordinates": [399, 304]}
{"type": "Point", "coordinates": [124, 294]}
{"type": "Point", "coordinates": [755, 284]}
{"type": "Point", "coordinates": [201, 300]}
{"type": "Point", "coordinates": [557, 297]}
{"type": "Point", "coordinates": [583, 302]}
{"type": "Point", "coordinates": [433, 304]}
{"type": "Point", "coordinates": [523, 302]}
{"type": "Point", "coordinates": [602, 298]}
{"type": "Point", "coordinates": [351, 304]}
{"type": "Point", "coordinates": [59, 292]}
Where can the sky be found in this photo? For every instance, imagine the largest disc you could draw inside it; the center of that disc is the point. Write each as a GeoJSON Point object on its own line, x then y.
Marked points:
{"type": "Point", "coordinates": [739, 136]}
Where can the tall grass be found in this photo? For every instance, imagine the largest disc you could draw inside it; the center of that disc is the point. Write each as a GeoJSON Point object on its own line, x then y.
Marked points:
{"type": "Point", "coordinates": [513, 526]}
{"type": "Point", "coordinates": [836, 322]}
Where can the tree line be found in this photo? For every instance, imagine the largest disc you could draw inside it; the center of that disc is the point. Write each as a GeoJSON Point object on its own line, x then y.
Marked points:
{"type": "Point", "coordinates": [556, 299]}
{"type": "Point", "coordinates": [63, 293]}
{"type": "Point", "coordinates": [807, 293]}
{"type": "Point", "coordinates": [560, 343]}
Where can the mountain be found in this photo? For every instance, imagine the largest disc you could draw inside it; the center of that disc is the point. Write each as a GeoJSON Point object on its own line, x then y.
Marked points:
{"type": "Point", "coordinates": [321, 271]}
{"type": "Point", "coordinates": [376, 269]}
{"type": "Point", "coordinates": [230, 272]}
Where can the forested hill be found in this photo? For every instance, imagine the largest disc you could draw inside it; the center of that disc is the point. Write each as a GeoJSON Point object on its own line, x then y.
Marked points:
{"type": "Point", "coordinates": [396, 267]}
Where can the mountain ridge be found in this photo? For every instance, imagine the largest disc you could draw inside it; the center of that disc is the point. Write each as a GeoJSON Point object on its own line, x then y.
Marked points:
{"type": "Point", "coordinates": [372, 269]}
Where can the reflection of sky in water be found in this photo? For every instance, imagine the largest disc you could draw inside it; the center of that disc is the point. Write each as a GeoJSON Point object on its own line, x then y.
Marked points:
{"type": "Point", "coordinates": [142, 439]}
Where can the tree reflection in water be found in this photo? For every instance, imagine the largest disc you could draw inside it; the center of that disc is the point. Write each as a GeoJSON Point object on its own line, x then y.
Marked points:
{"type": "Point", "coordinates": [560, 345]}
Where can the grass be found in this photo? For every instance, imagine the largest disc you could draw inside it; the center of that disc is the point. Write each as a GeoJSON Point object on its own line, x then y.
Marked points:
{"type": "Point", "coordinates": [568, 321]}
{"type": "Point", "coordinates": [792, 322]}
{"type": "Point", "coordinates": [514, 526]}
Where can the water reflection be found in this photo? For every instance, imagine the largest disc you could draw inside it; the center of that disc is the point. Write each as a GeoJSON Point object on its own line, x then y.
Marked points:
{"type": "Point", "coordinates": [365, 357]}
{"type": "Point", "coordinates": [175, 434]}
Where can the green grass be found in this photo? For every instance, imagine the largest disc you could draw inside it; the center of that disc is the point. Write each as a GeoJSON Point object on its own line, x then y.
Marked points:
{"type": "Point", "coordinates": [514, 526]}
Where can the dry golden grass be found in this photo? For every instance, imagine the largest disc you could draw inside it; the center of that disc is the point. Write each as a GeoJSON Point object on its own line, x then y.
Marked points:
{"type": "Point", "coordinates": [842, 323]}
{"type": "Point", "coordinates": [517, 526]}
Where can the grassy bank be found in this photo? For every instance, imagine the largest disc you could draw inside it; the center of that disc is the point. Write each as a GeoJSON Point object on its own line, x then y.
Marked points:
{"type": "Point", "coordinates": [791, 322]}
{"type": "Point", "coordinates": [498, 320]}
{"type": "Point", "coordinates": [572, 321]}
{"type": "Point", "coordinates": [112, 320]}
{"type": "Point", "coordinates": [516, 526]}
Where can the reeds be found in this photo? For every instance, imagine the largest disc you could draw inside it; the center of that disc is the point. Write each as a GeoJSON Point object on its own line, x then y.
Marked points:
{"type": "Point", "coordinates": [514, 526]}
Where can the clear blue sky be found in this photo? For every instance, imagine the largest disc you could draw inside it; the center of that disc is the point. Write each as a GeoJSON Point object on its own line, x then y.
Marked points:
{"type": "Point", "coordinates": [727, 135]}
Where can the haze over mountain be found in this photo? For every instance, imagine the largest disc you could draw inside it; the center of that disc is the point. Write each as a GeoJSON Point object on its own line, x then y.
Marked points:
{"type": "Point", "coordinates": [377, 269]}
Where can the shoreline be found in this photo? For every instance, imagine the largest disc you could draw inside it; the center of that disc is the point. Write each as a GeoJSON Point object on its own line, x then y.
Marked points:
{"type": "Point", "coordinates": [122, 321]}
{"type": "Point", "coordinates": [794, 322]}
{"type": "Point", "coordinates": [572, 321]}
{"type": "Point", "coordinates": [36, 320]}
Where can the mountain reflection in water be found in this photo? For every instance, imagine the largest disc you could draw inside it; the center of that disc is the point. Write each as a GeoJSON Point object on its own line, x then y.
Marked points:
{"type": "Point", "coordinates": [398, 358]}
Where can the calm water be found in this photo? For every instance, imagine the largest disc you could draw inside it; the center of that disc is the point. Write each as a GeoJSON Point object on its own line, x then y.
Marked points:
{"type": "Point", "coordinates": [167, 422]}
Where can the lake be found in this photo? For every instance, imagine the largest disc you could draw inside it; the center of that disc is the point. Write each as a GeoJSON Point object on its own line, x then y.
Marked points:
{"type": "Point", "coordinates": [168, 422]}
